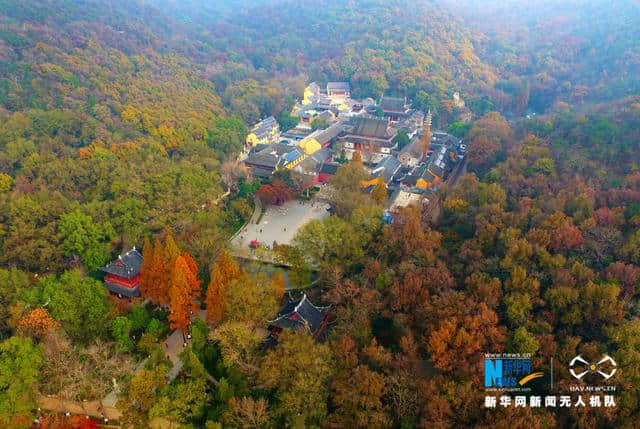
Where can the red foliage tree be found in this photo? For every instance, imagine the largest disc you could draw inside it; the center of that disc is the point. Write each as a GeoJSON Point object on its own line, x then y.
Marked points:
{"type": "Point", "coordinates": [627, 274]}
{"type": "Point", "coordinates": [276, 193]}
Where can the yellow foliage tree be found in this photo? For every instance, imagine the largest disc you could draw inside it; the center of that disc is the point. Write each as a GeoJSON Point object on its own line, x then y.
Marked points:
{"type": "Point", "coordinates": [130, 115]}
{"type": "Point", "coordinates": [379, 193]}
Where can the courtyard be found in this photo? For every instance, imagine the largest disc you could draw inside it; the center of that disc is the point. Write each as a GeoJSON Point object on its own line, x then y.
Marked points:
{"type": "Point", "coordinates": [280, 223]}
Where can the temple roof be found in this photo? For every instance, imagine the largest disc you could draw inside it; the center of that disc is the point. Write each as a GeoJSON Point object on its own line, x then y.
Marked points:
{"type": "Point", "coordinates": [415, 174]}
{"type": "Point", "coordinates": [387, 167]}
{"type": "Point", "coordinates": [301, 314]}
{"type": "Point", "coordinates": [338, 86]}
{"type": "Point", "coordinates": [271, 155]}
{"type": "Point", "coordinates": [322, 155]}
{"type": "Point", "coordinates": [371, 127]}
{"type": "Point", "coordinates": [269, 122]}
{"type": "Point", "coordinates": [127, 265]}
{"type": "Point", "coordinates": [393, 104]}
{"type": "Point", "coordinates": [329, 168]}
{"type": "Point", "coordinates": [325, 136]}
{"type": "Point", "coordinates": [429, 177]}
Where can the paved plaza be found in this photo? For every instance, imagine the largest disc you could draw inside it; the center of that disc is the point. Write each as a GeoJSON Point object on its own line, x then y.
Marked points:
{"type": "Point", "coordinates": [280, 223]}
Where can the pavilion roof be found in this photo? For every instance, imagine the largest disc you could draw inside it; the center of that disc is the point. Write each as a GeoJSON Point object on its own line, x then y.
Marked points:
{"type": "Point", "coordinates": [301, 314]}
{"type": "Point", "coordinates": [127, 265]}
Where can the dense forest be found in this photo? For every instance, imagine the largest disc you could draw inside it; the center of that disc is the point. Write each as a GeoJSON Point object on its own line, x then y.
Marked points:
{"type": "Point", "coordinates": [120, 123]}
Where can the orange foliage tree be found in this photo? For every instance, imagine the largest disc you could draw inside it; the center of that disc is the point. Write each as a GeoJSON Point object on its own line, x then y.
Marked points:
{"type": "Point", "coordinates": [152, 276]}
{"type": "Point", "coordinates": [224, 270]}
{"type": "Point", "coordinates": [185, 289]}
{"type": "Point", "coordinates": [278, 285]}
{"type": "Point", "coordinates": [454, 346]}
{"type": "Point", "coordinates": [38, 322]}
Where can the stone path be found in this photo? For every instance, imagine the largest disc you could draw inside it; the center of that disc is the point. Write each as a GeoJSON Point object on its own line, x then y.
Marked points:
{"type": "Point", "coordinates": [173, 346]}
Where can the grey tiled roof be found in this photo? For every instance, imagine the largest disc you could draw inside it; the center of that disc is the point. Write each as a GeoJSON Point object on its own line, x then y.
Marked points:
{"type": "Point", "coordinates": [371, 127]}
{"type": "Point", "coordinates": [393, 103]}
{"type": "Point", "coordinates": [338, 86]}
{"type": "Point", "coordinates": [330, 133]}
{"type": "Point", "coordinates": [270, 155]}
{"type": "Point", "coordinates": [302, 314]}
{"type": "Point", "coordinates": [322, 155]}
{"type": "Point", "coordinates": [388, 168]}
{"type": "Point", "coordinates": [414, 175]}
{"type": "Point", "coordinates": [436, 169]}
{"type": "Point", "coordinates": [127, 265]}
{"type": "Point", "coordinates": [263, 128]}
{"type": "Point", "coordinates": [329, 168]}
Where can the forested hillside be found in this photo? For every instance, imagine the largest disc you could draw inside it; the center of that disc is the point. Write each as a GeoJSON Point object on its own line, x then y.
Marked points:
{"type": "Point", "coordinates": [407, 48]}
{"type": "Point", "coordinates": [557, 54]}
{"type": "Point", "coordinates": [103, 124]}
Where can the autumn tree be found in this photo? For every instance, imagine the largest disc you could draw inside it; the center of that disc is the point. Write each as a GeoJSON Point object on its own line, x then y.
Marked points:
{"type": "Point", "coordinates": [224, 270]}
{"type": "Point", "coordinates": [360, 404]}
{"type": "Point", "coordinates": [232, 172]}
{"type": "Point", "coordinates": [483, 152]}
{"type": "Point", "coordinates": [64, 422]}
{"type": "Point", "coordinates": [379, 193]}
{"type": "Point", "coordinates": [38, 322]}
{"type": "Point", "coordinates": [248, 413]}
{"type": "Point", "coordinates": [184, 291]}
{"type": "Point", "coordinates": [454, 345]}
{"type": "Point", "coordinates": [239, 342]}
{"type": "Point", "coordinates": [275, 193]}
{"type": "Point", "coordinates": [154, 275]}
{"type": "Point", "coordinates": [170, 254]}
{"type": "Point", "coordinates": [249, 299]}
{"type": "Point", "coordinates": [297, 371]}
{"type": "Point", "coordinates": [140, 394]}
{"type": "Point", "coordinates": [627, 274]}
{"type": "Point", "coordinates": [157, 275]}
{"type": "Point", "coordinates": [346, 192]}
{"type": "Point", "coordinates": [278, 286]}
